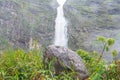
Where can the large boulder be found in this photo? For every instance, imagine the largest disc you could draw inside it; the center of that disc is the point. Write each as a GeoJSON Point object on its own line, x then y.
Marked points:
{"type": "Point", "coordinates": [66, 59]}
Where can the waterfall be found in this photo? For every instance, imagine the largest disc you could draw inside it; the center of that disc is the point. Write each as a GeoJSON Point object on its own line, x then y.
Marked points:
{"type": "Point", "coordinates": [60, 26]}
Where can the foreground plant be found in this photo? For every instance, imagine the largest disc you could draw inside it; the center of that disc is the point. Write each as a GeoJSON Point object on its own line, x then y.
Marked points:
{"type": "Point", "coordinates": [19, 65]}
{"type": "Point", "coordinates": [22, 65]}
{"type": "Point", "coordinates": [97, 67]}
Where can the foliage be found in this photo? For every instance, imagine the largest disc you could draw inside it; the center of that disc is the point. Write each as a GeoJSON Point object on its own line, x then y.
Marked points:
{"type": "Point", "coordinates": [97, 67]}
{"type": "Point", "coordinates": [96, 70]}
{"type": "Point", "coordinates": [22, 65]}
{"type": "Point", "coordinates": [29, 65]}
{"type": "Point", "coordinates": [18, 65]}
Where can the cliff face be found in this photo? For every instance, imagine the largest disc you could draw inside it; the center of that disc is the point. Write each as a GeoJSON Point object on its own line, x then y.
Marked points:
{"type": "Point", "coordinates": [22, 22]}
{"type": "Point", "coordinates": [89, 18]}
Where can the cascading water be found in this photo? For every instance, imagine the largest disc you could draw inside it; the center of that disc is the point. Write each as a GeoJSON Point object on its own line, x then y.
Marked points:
{"type": "Point", "coordinates": [60, 26]}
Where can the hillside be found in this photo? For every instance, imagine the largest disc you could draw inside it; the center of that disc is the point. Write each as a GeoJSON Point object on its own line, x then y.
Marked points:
{"type": "Point", "coordinates": [23, 20]}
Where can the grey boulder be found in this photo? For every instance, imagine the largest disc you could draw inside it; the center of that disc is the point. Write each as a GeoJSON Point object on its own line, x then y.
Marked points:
{"type": "Point", "coordinates": [66, 59]}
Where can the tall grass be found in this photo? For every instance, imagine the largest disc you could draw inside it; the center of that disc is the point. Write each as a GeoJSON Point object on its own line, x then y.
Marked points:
{"type": "Point", "coordinates": [28, 65]}
{"type": "Point", "coordinates": [19, 65]}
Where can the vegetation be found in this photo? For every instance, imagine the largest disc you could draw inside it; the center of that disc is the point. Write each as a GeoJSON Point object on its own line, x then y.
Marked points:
{"type": "Point", "coordinates": [28, 65]}
{"type": "Point", "coordinates": [97, 67]}
{"type": "Point", "coordinates": [21, 65]}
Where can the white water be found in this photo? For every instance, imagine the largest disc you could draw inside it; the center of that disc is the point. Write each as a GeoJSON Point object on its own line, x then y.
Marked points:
{"type": "Point", "coordinates": [60, 26]}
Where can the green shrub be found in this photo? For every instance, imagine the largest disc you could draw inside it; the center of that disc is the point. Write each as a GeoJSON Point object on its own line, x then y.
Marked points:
{"type": "Point", "coordinates": [97, 67]}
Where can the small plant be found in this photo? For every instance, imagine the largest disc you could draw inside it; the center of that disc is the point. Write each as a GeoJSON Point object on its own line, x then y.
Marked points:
{"type": "Point", "coordinates": [97, 67]}
{"type": "Point", "coordinates": [107, 44]}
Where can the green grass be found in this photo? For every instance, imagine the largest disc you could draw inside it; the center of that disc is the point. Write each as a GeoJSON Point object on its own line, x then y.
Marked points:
{"type": "Point", "coordinates": [22, 65]}
{"type": "Point", "coordinates": [19, 65]}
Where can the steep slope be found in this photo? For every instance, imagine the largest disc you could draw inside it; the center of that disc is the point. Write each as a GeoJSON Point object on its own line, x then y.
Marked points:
{"type": "Point", "coordinates": [23, 22]}
{"type": "Point", "coordinates": [90, 18]}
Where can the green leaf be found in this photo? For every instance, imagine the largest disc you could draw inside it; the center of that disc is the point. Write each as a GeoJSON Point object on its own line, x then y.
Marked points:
{"type": "Point", "coordinates": [95, 53]}
{"type": "Point", "coordinates": [112, 66]}
{"type": "Point", "coordinates": [96, 77]}
{"type": "Point", "coordinates": [101, 38]}
{"type": "Point", "coordinates": [110, 41]}
{"type": "Point", "coordinates": [114, 53]}
{"type": "Point", "coordinates": [107, 48]}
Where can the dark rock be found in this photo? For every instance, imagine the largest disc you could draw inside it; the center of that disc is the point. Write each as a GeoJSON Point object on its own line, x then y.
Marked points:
{"type": "Point", "coordinates": [66, 58]}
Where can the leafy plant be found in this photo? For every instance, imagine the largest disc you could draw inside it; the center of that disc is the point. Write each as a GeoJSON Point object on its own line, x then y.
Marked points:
{"type": "Point", "coordinates": [97, 67]}
{"type": "Point", "coordinates": [19, 65]}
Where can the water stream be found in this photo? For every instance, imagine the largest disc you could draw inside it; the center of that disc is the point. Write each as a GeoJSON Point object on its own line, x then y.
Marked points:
{"type": "Point", "coordinates": [61, 26]}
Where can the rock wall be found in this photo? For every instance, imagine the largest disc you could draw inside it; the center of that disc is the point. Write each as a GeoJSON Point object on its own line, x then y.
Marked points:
{"type": "Point", "coordinates": [87, 19]}
{"type": "Point", "coordinates": [23, 20]}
